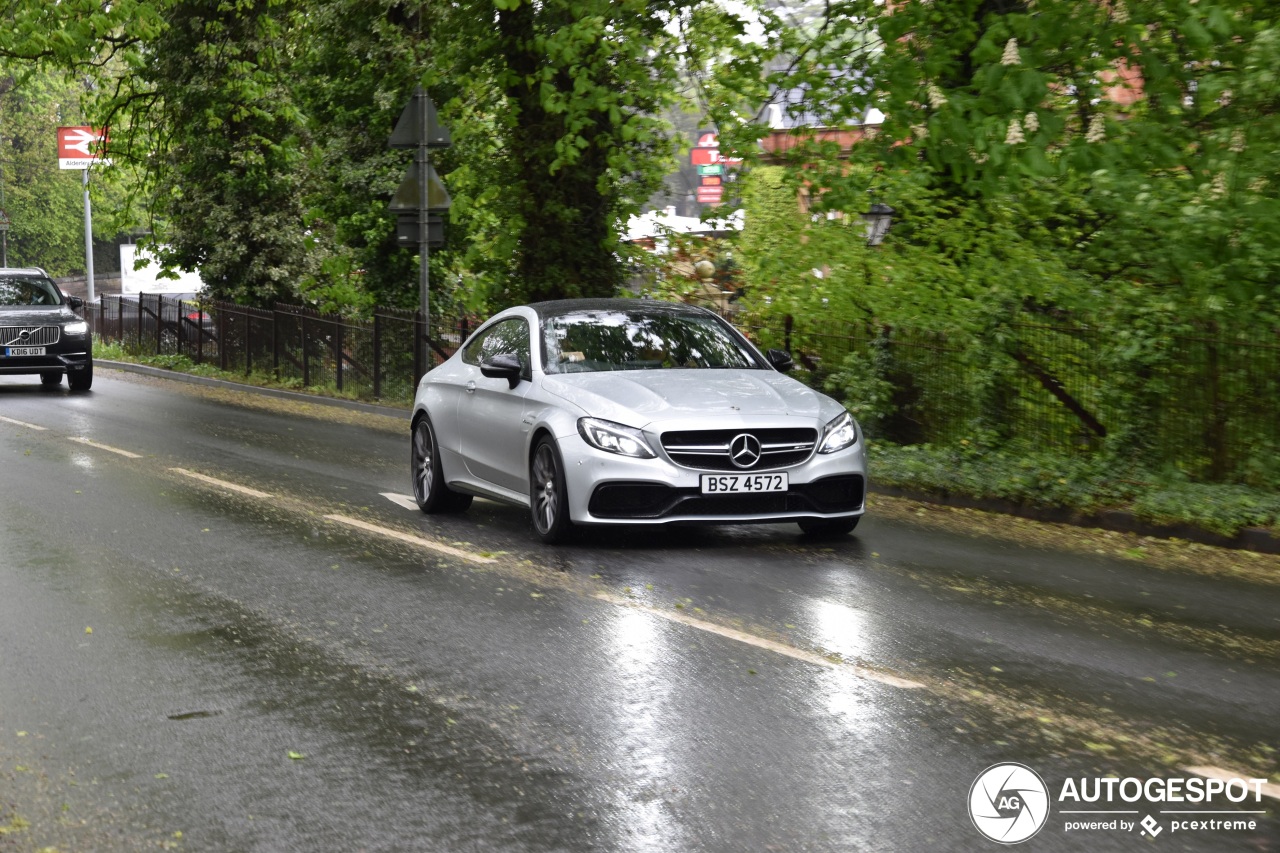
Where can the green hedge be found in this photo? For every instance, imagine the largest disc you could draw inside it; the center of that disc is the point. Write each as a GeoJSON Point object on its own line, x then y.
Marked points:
{"type": "Point", "coordinates": [1087, 484]}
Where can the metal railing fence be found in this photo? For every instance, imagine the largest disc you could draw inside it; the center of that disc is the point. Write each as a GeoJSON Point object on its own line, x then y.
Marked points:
{"type": "Point", "coordinates": [376, 359]}
{"type": "Point", "coordinates": [1206, 403]}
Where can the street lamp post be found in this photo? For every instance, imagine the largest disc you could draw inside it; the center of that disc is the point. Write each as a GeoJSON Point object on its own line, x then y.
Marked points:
{"type": "Point", "coordinates": [877, 219]}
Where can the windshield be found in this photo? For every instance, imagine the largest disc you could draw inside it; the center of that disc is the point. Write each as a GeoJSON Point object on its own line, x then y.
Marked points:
{"type": "Point", "coordinates": [591, 341]}
{"type": "Point", "coordinates": [28, 290]}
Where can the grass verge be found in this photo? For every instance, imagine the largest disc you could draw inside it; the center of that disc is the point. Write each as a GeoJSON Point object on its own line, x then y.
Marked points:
{"type": "Point", "coordinates": [1084, 484]}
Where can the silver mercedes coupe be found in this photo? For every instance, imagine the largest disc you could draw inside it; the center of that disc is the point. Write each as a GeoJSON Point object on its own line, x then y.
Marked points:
{"type": "Point", "coordinates": [635, 412]}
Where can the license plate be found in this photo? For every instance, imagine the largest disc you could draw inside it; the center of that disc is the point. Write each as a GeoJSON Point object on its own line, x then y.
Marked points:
{"type": "Point", "coordinates": [743, 484]}
{"type": "Point", "coordinates": [19, 351]}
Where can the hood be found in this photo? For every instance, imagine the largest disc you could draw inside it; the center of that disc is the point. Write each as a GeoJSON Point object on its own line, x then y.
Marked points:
{"type": "Point", "coordinates": [640, 397]}
{"type": "Point", "coordinates": [44, 315]}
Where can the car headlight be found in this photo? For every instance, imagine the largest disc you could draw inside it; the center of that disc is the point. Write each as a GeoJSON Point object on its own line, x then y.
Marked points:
{"type": "Point", "coordinates": [75, 330]}
{"type": "Point", "coordinates": [614, 438]}
{"type": "Point", "coordinates": [839, 434]}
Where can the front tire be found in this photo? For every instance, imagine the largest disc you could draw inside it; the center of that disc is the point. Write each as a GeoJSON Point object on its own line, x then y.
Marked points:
{"type": "Point", "coordinates": [51, 378]}
{"type": "Point", "coordinates": [429, 488]}
{"type": "Point", "coordinates": [548, 495]}
{"type": "Point", "coordinates": [829, 527]}
{"type": "Point", "coordinates": [81, 380]}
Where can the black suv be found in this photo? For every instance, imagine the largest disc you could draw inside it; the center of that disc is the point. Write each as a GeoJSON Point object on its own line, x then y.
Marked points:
{"type": "Point", "coordinates": [39, 332]}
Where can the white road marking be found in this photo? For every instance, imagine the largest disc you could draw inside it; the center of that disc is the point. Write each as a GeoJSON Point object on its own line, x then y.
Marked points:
{"type": "Point", "coordinates": [21, 424]}
{"type": "Point", "coordinates": [762, 643]}
{"type": "Point", "coordinates": [125, 453]}
{"type": "Point", "coordinates": [405, 501]}
{"type": "Point", "coordinates": [420, 541]}
{"type": "Point", "coordinates": [222, 484]}
{"type": "Point", "coordinates": [1270, 789]}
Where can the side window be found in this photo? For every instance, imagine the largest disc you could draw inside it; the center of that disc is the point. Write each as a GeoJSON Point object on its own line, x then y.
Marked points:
{"type": "Point", "coordinates": [509, 336]}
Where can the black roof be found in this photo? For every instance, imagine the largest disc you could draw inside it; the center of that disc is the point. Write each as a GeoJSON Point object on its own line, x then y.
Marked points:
{"type": "Point", "coordinates": [558, 307]}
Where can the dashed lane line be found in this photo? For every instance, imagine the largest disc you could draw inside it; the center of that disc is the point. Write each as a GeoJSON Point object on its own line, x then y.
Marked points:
{"type": "Point", "coordinates": [127, 454]}
{"type": "Point", "coordinates": [22, 424]}
{"type": "Point", "coordinates": [761, 643]}
{"type": "Point", "coordinates": [409, 538]}
{"type": "Point", "coordinates": [222, 484]}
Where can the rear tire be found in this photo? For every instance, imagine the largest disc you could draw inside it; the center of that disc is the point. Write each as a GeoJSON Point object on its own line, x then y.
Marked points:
{"type": "Point", "coordinates": [81, 380]}
{"type": "Point", "coordinates": [829, 527]}
{"type": "Point", "coordinates": [51, 378]}
{"type": "Point", "coordinates": [429, 488]}
{"type": "Point", "coordinates": [548, 494]}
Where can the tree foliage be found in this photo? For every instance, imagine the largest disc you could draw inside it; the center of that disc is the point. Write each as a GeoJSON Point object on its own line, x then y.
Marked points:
{"type": "Point", "coordinates": [43, 205]}
{"type": "Point", "coordinates": [227, 169]}
{"type": "Point", "coordinates": [254, 133]}
{"type": "Point", "coordinates": [1125, 150]}
{"type": "Point", "coordinates": [562, 101]}
{"type": "Point", "coordinates": [351, 90]}
{"type": "Point", "coordinates": [1026, 170]}
{"type": "Point", "coordinates": [1104, 170]}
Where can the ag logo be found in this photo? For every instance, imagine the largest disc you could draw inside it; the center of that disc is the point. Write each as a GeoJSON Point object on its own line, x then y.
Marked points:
{"type": "Point", "coordinates": [1009, 803]}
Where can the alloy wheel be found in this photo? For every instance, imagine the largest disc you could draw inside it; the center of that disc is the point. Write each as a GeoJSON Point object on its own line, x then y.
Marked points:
{"type": "Point", "coordinates": [423, 462]}
{"type": "Point", "coordinates": [546, 497]}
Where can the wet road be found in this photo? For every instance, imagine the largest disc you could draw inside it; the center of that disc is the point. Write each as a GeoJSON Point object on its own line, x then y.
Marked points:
{"type": "Point", "coordinates": [221, 630]}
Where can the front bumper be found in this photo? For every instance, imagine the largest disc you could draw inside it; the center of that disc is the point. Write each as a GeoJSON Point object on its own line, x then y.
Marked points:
{"type": "Point", "coordinates": [63, 362]}
{"type": "Point", "coordinates": [605, 488]}
{"type": "Point", "coordinates": [829, 497]}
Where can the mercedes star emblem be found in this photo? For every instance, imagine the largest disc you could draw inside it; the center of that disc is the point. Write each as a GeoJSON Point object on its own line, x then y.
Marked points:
{"type": "Point", "coordinates": [744, 450]}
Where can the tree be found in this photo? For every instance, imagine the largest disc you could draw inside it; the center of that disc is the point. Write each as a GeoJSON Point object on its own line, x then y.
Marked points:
{"type": "Point", "coordinates": [229, 143]}
{"type": "Point", "coordinates": [351, 90]}
{"type": "Point", "coordinates": [44, 204]}
{"type": "Point", "coordinates": [196, 100]}
{"type": "Point", "coordinates": [252, 128]}
{"type": "Point", "coordinates": [561, 102]}
{"type": "Point", "coordinates": [1112, 130]}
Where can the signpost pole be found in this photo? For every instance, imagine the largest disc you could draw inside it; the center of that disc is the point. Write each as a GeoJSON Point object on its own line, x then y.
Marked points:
{"type": "Point", "coordinates": [421, 200]}
{"type": "Point", "coordinates": [88, 241]}
{"type": "Point", "coordinates": [424, 226]}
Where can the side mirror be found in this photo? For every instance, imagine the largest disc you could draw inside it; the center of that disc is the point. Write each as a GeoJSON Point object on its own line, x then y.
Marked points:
{"type": "Point", "coordinates": [780, 359]}
{"type": "Point", "coordinates": [75, 302]}
{"type": "Point", "coordinates": [502, 366]}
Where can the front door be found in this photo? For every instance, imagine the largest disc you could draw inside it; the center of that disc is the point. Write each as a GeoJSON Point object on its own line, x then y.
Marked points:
{"type": "Point", "coordinates": [491, 413]}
